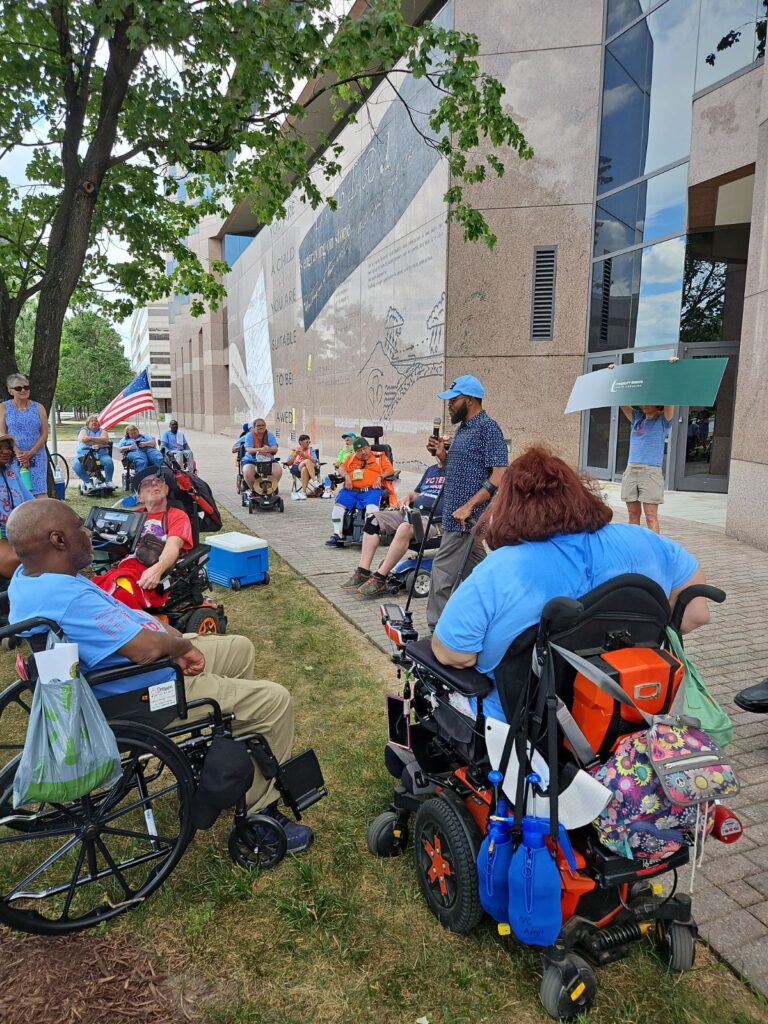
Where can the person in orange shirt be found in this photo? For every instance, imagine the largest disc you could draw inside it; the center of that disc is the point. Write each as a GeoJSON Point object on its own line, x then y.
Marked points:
{"type": "Point", "coordinates": [363, 472]}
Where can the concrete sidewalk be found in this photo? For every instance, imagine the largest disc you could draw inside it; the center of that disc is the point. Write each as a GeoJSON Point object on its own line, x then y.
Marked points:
{"type": "Point", "coordinates": [731, 903]}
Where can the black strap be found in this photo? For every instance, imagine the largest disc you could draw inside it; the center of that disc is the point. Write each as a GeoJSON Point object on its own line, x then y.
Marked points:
{"type": "Point", "coordinates": [549, 686]}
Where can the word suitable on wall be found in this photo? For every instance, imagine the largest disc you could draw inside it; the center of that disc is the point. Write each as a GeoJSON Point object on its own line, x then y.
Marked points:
{"type": "Point", "coordinates": [283, 340]}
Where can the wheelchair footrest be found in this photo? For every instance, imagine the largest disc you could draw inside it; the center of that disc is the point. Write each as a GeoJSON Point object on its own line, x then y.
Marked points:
{"type": "Point", "coordinates": [300, 781]}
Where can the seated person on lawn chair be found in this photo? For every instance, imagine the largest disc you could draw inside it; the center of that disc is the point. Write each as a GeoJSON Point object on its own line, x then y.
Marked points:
{"type": "Point", "coordinates": [363, 472]}
{"type": "Point", "coordinates": [396, 524]}
{"type": "Point", "coordinates": [304, 465]}
{"type": "Point", "coordinates": [166, 534]}
{"type": "Point", "coordinates": [260, 445]}
{"type": "Point", "coordinates": [12, 493]}
{"type": "Point", "coordinates": [54, 547]}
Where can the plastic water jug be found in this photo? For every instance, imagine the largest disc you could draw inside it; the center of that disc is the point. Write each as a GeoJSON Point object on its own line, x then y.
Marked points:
{"type": "Point", "coordinates": [494, 858]}
{"type": "Point", "coordinates": [26, 477]}
{"type": "Point", "coordinates": [534, 887]}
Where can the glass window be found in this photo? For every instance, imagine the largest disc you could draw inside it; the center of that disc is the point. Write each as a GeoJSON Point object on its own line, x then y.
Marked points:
{"type": "Point", "coordinates": [652, 209]}
{"type": "Point", "coordinates": [622, 12]}
{"type": "Point", "coordinates": [611, 313]}
{"type": "Point", "coordinates": [719, 17]}
{"type": "Point", "coordinates": [660, 293]}
{"type": "Point", "coordinates": [714, 278]}
{"type": "Point", "coordinates": [647, 90]}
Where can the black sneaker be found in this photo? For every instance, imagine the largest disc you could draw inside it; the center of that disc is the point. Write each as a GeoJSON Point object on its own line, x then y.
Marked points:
{"type": "Point", "coordinates": [374, 586]}
{"type": "Point", "coordinates": [358, 577]}
{"type": "Point", "coordinates": [334, 542]}
{"type": "Point", "coordinates": [299, 836]}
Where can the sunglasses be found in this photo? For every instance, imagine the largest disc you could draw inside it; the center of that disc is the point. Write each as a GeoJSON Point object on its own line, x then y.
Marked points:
{"type": "Point", "coordinates": [21, 387]}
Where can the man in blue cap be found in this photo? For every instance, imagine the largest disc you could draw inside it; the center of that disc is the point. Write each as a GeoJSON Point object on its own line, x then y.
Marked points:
{"type": "Point", "coordinates": [474, 466]}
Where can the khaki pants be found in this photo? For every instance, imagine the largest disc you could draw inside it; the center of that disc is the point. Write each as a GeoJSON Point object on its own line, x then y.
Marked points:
{"type": "Point", "coordinates": [445, 570]}
{"type": "Point", "coordinates": [259, 705]}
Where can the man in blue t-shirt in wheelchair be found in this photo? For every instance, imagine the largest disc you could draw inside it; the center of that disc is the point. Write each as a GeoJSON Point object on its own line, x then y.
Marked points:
{"type": "Point", "coordinates": [54, 547]}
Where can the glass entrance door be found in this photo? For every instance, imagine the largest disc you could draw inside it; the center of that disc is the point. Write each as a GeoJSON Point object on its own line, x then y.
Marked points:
{"type": "Point", "coordinates": [600, 429]}
{"type": "Point", "coordinates": [705, 432]}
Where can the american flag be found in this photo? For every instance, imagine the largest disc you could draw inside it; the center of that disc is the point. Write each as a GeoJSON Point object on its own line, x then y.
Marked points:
{"type": "Point", "coordinates": [135, 397]}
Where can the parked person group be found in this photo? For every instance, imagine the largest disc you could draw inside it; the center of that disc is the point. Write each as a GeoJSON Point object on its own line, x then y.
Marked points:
{"type": "Point", "coordinates": [27, 422]}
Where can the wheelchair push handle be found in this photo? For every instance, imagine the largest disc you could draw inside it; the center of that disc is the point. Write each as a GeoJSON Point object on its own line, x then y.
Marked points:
{"type": "Point", "coordinates": [14, 628]}
{"type": "Point", "coordinates": [685, 597]}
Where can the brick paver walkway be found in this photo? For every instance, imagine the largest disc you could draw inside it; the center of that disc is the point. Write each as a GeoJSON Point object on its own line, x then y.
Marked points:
{"type": "Point", "coordinates": [731, 903]}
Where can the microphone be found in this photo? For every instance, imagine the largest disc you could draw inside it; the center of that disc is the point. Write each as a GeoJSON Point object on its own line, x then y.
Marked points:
{"type": "Point", "coordinates": [437, 425]}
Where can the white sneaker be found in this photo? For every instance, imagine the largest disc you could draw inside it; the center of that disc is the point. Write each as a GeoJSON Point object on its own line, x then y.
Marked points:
{"type": "Point", "coordinates": [301, 496]}
{"type": "Point", "coordinates": [85, 488]}
{"type": "Point", "coordinates": [295, 495]}
{"type": "Point", "coordinates": [327, 494]}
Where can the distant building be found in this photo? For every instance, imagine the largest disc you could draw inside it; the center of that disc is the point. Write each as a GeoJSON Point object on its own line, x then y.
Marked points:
{"type": "Point", "coordinates": [638, 231]}
{"type": "Point", "coordinates": [151, 350]}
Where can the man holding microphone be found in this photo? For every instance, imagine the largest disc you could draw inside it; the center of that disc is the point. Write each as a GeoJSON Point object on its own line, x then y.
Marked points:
{"type": "Point", "coordinates": [474, 466]}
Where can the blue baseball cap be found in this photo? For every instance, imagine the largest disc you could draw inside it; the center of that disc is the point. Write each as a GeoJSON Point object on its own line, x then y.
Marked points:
{"type": "Point", "coordinates": [349, 434]}
{"type": "Point", "coordinates": [464, 385]}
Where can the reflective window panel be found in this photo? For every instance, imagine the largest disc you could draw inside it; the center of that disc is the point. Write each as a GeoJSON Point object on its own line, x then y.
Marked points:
{"type": "Point", "coordinates": [652, 209]}
{"type": "Point", "coordinates": [647, 90]}
{"type": "Point", "coordinates": [718, 17]}
{"type": "Point", "coordinates": [622, 12]}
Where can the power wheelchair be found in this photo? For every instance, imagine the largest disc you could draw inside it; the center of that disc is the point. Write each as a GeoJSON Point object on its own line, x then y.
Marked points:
{"type": "Point", "coordinates": [440, 759]}
{"type": "Point", "coordinates": [353, 525]}
{"type": "Point", "coordinates": [67, 867]}
{"type": "Point", "coordinates": [115, 534]}
{"type": "Point", "coordinates": [98, 486]}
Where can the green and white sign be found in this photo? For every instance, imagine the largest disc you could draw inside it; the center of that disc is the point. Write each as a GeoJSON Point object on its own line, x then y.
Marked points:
{"type": "Point", "coordinates": [687, 382]}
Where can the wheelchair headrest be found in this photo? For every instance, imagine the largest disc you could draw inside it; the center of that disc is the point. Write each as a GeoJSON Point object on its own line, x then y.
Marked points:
{"type": "Point", "coordinates": [372, 433]}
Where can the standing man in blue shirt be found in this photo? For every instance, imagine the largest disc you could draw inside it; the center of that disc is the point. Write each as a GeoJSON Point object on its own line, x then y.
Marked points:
{"type": "Point", "coordinates": [474, 466]}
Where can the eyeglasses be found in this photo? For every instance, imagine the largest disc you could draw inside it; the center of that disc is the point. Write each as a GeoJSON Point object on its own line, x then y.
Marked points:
{"type": "Point", "coordinates": [21, 387]}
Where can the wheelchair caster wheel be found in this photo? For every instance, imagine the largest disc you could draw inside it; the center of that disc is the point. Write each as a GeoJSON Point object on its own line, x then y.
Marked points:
{"type": "Point", "coordinates": [677, 945]}
{"type": "Point", "coordinates": [566, 1000]}
{"type": "Point", "coordinates": [204, 621]}
{"type": "Point", "coordinates": [257, 842]}
{"type": "Point", "coordinates": [234, 583]}
{"type": "Point", "coordinates": [280, 505]}
{"type": "Point", "coordinates": [385, 838]}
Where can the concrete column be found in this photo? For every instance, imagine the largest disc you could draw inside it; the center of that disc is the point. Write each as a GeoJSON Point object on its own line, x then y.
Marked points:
{"type": "Point", "coordinates": [747, 515]}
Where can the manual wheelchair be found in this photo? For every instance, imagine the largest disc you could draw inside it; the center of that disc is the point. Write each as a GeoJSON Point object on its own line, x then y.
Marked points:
{"type": "Point", "coordinates": [442, 759]}
{"type": "Point", "coordinates": [70, 866]}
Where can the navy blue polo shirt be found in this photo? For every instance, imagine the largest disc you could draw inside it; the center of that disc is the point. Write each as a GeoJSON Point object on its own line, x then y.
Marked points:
{"type": "Point", "coordinates": [477, 448]}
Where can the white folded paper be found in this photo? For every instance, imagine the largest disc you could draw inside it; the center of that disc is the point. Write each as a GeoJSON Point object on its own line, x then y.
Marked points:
{"type": "Point", "coordinates": [60, 662]}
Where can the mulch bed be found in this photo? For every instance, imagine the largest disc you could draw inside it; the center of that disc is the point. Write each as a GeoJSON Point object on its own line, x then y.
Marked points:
{"type": "Point", "coordinates": [85, 979]}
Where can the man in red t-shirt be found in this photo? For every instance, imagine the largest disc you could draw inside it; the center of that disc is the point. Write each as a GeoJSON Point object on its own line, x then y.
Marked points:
{"type": "Point", "coordinates": [133, 582]}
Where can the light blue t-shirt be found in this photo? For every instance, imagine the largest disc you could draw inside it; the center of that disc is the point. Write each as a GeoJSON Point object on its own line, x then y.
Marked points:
{"type": "Point", "coordinates": [83, 448]}
{"type": "Point", "coordinates": [646, 441]}
{"type": "Point", "coordinates": [174, 442]}
{"type": "Point", "coordinates": [126, 442]}
{"type": "Point", "coordinates": [505, 594]}
{"type": "Point", "coordinates": [12, 492]}
{"type": "Point", "coordinates": [89, 617]}
{"type": "Point", "coordinates": [250, 442]}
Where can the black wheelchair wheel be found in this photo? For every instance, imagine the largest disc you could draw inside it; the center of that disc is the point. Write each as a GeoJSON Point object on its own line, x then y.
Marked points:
{"type": "Point", "coordinates": [382, 837]}
{"type": "Point", "coordinates": [446, 864]}
{"type": "Point", "coordinates": [235, 584]}
{"type": "Point", "coordinates": [280, 504]}
{"type": "Point", "coordinates": [258, 842]}
{"type": "Point", "coordinates": [677, 945]}
{"type": "Point", "coordinates": [15, 702]}
{"type": "Point", "coordinates": [204, 621]}
{"type": "Point", "coordinates": [567, 1001]}
{"type": "Point", "coordinates": [70, 866]}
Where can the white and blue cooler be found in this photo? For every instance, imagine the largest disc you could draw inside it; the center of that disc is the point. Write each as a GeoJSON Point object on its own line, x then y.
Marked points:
{"type": "Point", "coordinates": [237, 560]}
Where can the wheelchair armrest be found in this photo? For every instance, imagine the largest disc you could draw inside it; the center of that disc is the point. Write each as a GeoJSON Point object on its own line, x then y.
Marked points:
{"type": "Point", "coordinates": [193, 559]}
{"type": "Point", "coordinates": [109, 675]}
{"type": "Point", "coordinates": [14, 628]}
{"type": "Point", "coordinates": [468, 681]}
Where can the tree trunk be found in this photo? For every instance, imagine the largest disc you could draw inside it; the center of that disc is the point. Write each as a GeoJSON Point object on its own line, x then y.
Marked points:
{"type": "Point", "coordinates": [8, 316]}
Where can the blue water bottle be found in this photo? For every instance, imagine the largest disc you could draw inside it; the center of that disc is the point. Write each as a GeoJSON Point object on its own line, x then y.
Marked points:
{"type": "Point", "coordinates": [26, 477]}
{"type": "Point", "coordinates": [493, 861]}
{"type": "Point", "coordinates": [534, 885]}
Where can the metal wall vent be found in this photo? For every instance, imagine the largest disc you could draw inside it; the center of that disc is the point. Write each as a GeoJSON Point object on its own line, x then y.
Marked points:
{"type": "Point", "coordinates": [543, 298]}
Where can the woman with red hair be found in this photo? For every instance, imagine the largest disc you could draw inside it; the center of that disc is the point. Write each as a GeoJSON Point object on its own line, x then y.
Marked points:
{"type": "Point", "coordinates": [550, 535]}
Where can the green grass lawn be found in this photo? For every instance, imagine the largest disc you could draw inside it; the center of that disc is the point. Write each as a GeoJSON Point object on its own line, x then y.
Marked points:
{"type": "Point", "coordinates": [335, 936]}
